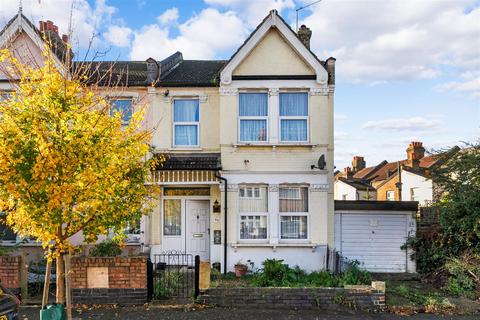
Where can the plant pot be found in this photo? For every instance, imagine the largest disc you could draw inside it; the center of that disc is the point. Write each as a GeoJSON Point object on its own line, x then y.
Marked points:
{"type": "Point", "coordinates": [240, 270]}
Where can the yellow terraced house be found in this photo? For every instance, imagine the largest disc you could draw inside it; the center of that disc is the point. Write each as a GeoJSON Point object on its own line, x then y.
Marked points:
{"type": "Point", "coordinates": [249, 148]}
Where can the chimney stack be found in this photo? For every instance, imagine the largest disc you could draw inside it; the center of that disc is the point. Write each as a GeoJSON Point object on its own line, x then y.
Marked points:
{"type": "Point", "coordinates": [415, 152]}
{"type": "Point", "coordinates": [48, 26]}
{"type": "Point", "coordinates": [348, 173]}
{"type": "Point", "coordinates": [358, 164]}
{"type": "Point", "coordinates": [305, 34]}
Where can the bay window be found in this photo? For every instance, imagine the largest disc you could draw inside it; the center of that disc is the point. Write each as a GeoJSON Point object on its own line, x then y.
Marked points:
{"type": "Point", "coordinates": [186, 122]}
{"type": "Point", "coordinates": [253, 115]}
{"type": "Point", "coordinates": [293, 207]}
{"type": "Point", "coordinates": [124, 106]}
{"type": "Point", "coordinates": [294, 116]}
{"type": "Point", "coordinates": [253, 209]}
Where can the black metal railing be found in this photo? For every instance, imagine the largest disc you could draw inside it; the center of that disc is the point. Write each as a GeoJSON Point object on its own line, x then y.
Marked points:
{"type": "Point", "coordinates": [172, 275]}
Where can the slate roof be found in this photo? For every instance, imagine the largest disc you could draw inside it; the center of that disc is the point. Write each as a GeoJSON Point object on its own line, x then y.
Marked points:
{"type": "Point", "coordinates": [370, 206]}
{"type": "Point", "coordinates": [112, 73]}
{"type": "Point", "coordinates": [357, 184]}
{"type": "Point", "coordinates": [194, 161]}
{"type": "Point", "coordinates": [193, 73]}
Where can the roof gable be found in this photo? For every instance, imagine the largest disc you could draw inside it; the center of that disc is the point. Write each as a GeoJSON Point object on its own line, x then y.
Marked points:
{"type": "Point", "coordinates": [273, 55]}
{"type": "Point", "coordinates": [274, 21]}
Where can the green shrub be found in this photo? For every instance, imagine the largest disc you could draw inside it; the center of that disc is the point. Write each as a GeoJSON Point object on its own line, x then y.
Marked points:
{"type": "Point", "coordinates": [354, 276]}
{"type": "Point", "coordinates": [107, 248]}
{"type": "Point", "coordinates": [275, 273]}
{"type": "Point", "coordinates": [464, 275]}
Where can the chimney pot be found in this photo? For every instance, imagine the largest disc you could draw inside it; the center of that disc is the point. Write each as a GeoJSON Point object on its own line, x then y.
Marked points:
{"type": "Point", "coordinates": [305, 34]}
{"type": "Point", "coordinates": [65, 38]}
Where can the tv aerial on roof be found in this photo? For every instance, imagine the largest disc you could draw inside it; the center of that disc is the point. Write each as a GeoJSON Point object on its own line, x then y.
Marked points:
{"type": "Point", "coordinates": [305, 6]}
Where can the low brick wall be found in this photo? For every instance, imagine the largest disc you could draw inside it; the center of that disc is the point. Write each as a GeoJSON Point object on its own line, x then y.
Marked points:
{"type": "Point", "coordinates": [119, 280]}
{"type": "Point", "coordinates": [361, 297]}
{"type": "Point", "coordinates": [10, 273]}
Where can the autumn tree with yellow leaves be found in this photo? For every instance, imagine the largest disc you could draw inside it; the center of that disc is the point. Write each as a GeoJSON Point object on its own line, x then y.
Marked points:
{"type": "Point", "coordinates": [66, 164]}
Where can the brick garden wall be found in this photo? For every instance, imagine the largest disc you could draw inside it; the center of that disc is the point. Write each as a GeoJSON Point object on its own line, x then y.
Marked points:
{"type": "Point", "coordinates": [127, 280]}
{"type": "Point", "coordinates": [10, 273]}
{"type": "Point", "coordinates": [363, 297]}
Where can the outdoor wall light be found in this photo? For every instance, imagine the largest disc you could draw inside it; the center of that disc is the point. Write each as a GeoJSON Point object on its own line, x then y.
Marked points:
{"type": "Point", "coordinates": [216, 207]}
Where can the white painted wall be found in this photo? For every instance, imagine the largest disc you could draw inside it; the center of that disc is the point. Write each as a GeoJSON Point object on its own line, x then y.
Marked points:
{"type": "Point", "coordinates": [341, 188]}
{"type": "Point", "coordinates": [423, 188]}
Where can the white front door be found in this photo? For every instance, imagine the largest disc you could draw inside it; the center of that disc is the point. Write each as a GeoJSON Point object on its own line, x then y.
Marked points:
{"type": "Point", "coordinates": [198, 228]}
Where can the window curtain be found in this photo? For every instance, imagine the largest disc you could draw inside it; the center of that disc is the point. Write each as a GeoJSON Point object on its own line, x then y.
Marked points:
{"type": "Point", "coordinates": [253, 227]}
{"type": "Point", "coordinates": [253, 105]}
{"type": "Point", "coordinates": [293, 130]}
{"type": "Point", "coordinates": [252, 204]}
{"type": "Point", "coordinates": [172, 217]}
{"type": "Point", "coordinates": [186, 110]}
{"type": "Point", "coordinates": [293, 199]}
{"type": "Point", "coordinates": [293, 104]}
{"type": "Point", "coordinates": [293, 227]}
{"type": "Point", "coordinates": [186, 135]}
{"type": "Point", "coordinates": [253, 130]}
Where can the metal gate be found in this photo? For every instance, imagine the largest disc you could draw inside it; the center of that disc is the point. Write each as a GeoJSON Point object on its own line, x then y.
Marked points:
{"type": "Point", "coordinates": [173, 275]}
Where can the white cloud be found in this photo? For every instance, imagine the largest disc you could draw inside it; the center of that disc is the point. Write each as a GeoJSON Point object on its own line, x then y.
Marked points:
{"type": "Point", "coordinates": [86, 19]}
{"type": "Point", "coordinates": [340, 117]}
{"type": "Point", "coordinates": [199, 38]}
{"type": "Point", "coordinates": [381, 41]}
{"type": "Point", "coordinates": [169, 16]}
{"type": "Point", "coordinates": [470, 84]}
{"type": "Point", "coordinates": [119, 36]}
{"type": "Point", "coordinates": [252, 11]}
{"type": "Point", "coordinates": [403, 124]}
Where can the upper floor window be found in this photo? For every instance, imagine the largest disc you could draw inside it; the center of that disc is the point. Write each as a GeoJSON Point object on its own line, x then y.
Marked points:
{"type": "Point", "coordinates": [124, 106]}
{"type": "Point", "coordinates": [186, 116]}
{"type": "Point", "coordinates": [390, 195]}
{"type": "Point", "coordinates": [293, 212]}
{"type": "Point", "coordinates": [253, 114]}
{"type": "Point", "coordinates": [253, 210]}
{"type": "Point", "coordinates": [294, 117]}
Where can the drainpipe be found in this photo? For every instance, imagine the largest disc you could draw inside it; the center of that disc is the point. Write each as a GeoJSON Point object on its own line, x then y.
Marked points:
{"type": "Point", "coordinates": [225, 225]}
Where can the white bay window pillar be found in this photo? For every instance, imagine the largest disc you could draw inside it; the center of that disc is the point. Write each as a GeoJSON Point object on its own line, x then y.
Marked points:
{"type": "Point", "coordinates": [273, 112]}
{"type": "Point", "coordinates": [273, 210]}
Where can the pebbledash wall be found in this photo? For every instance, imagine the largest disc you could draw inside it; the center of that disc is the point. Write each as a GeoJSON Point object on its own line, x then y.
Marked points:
{"type": "Point", "coordinates": [121, 280]}
{"type": "Point", "coordinates": [361, 297]}
{"type": "Point", "coordinates": [10, 273]}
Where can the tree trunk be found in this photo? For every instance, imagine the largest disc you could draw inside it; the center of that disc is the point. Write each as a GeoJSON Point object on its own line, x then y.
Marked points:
{"type": "Point", "coordinates": [60, 280]}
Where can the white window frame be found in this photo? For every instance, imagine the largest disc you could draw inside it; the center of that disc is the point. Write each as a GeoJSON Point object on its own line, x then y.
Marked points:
{"type": "Point", "coordinates": [388, 193]}
{"type": "Point", "coordinates": [188, 123]}
{"type": "Point", "coordinates": [413, 196]}
{"type": "Point", "coordinates": [280, 118]}
{"type": "Point", "coordinates": [291, 214]}
{"type": "Point", "coordinates": [266, 118]}
{"type": "Point", "coordinates": [250, 214]}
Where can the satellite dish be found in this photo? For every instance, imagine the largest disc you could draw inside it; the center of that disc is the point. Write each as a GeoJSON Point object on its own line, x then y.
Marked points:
{"type": "Point", "coordinates": [320, 163]}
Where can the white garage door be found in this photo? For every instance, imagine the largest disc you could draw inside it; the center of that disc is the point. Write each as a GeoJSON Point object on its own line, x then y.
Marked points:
{"type": "Point", "coordinates": [373, 239]}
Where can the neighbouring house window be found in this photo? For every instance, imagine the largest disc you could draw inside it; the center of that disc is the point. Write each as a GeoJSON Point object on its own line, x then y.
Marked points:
{"type": "Point", "coordinates": [253, 115]}
{"type": "Point", "coordinates": [412, 194]}
{"type": "Point", "coordinates": [293, 212]}
{"type": "Point", "coordinates": [294, 117]}
{"type": "Point", "coordinates": [344, 197]}
{"type": "Point", "coordinates": [253, 209]}
{"type": "Point", "coordinates": [390, 195]}
{"type": "Point", "coordinates": [172, 217]}
{"type": "Point", "coordinates": [186, 117]}
{"type": "Point", "coordinates": [124, 106]}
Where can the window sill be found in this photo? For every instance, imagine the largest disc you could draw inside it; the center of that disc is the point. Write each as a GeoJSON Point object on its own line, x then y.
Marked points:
{"type": "Point", "coordinates": [275, 145]}
{"type": "Point", "coordinates": [185, 149]}
{"type": "Point", "coordinates": [274, 246]}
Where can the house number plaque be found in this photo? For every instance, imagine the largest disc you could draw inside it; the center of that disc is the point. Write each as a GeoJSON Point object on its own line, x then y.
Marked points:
{"type": "Point", "coordinates": [217, 236]}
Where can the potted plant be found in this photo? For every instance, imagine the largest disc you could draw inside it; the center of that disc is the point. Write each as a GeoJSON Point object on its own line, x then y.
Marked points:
{"type": "Point", "coordinates": [240, 269]}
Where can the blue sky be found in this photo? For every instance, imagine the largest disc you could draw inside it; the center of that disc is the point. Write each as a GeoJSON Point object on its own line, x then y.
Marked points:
{"type": "Point", "coordinates": [406, 69]}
